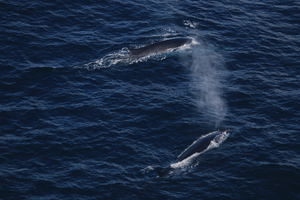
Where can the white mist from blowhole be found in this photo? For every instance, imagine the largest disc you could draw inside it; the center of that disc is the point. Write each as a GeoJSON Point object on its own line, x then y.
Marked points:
{"type": "Point", "coordinates": [207, 75]}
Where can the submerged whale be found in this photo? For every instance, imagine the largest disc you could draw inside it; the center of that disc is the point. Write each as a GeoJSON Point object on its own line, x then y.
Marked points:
{"type": "Point", "coordinates": [159, 47]}
{"type": "Point", "coordinates": [200, 145]}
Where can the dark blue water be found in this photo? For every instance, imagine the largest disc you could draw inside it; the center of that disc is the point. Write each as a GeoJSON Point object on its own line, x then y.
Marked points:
{"type": "Point", "coordinates": [79, 119]}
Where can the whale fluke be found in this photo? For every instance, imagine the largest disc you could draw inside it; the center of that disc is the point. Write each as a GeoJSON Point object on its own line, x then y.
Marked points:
{"type": "Point", "coordinates": [165, 171]}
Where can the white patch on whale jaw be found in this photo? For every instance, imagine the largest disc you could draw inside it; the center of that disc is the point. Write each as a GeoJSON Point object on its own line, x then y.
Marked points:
{"type": "Point", "coordinates": [219, 139]}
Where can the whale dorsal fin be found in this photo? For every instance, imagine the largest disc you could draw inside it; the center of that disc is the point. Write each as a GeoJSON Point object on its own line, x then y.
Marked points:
{"type": "Point", "coordinates": [134, 51]}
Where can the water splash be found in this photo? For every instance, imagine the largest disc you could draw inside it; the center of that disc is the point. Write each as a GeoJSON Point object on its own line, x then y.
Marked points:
{"type": "Point", "coordinates": [111, 59]}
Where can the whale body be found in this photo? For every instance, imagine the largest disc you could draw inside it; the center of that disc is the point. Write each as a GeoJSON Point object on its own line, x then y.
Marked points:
{"type": "Point", "coordinates": [200, 145]}
{"type": "Point", "coordinates": [159, 47]}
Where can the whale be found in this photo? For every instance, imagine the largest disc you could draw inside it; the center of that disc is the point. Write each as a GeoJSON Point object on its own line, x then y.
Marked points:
{"type": "Point", "coordinates": [200, 145]}
{"type": "Point", "coordinates": [159, 47]}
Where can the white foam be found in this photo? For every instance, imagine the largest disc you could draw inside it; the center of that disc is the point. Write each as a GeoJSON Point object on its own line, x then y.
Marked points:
{"type": "Point", "coordinates": [147, 170]}
{"type": "Point", "coordinates": [190, 24]}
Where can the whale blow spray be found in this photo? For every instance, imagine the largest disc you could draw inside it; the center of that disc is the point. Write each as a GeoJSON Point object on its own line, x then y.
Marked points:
{"type": "Point", "coordinates": [208, 72]}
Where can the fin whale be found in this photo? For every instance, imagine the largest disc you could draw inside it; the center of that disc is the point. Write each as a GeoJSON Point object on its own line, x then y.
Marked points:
{"type": "Point", "coordinates": [200, 145]}
{"type": "Point", "coordinates": [159, 47]}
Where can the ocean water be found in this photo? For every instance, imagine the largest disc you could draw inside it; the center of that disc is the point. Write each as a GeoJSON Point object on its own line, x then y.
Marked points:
{"type": "Point", "coordinates": [80, 119]}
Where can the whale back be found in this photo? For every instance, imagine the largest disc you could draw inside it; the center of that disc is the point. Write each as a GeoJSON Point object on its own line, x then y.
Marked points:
{"type": "Point", "coordinates": [198, 146]}
{"type": "Point", "coordinates": [159, 47]}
